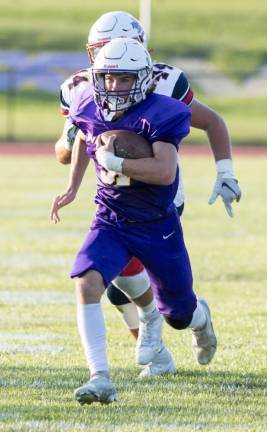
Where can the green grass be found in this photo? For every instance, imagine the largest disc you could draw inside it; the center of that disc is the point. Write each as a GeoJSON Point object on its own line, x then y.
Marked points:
{"type": "Point", "coordinates": [34, 116]}
{"type": "Point", "coordinates": [228, 33]}
{"type": "Point", "coordinates": [41, 359]}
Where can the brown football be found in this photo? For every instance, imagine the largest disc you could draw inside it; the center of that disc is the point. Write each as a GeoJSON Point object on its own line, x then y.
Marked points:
{"type": "Point", "coordinates": [128, 144]}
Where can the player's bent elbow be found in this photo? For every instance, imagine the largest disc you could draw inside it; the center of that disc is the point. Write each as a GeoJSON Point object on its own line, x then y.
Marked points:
{"type": "Point", "coordinates": [166, 179]}
{"type": "Point", "coordinates": [63, 155]}
{"type": "Point", "coordinates": [64, 159]}
{"type": "Point", "coordinates": [168, 176]}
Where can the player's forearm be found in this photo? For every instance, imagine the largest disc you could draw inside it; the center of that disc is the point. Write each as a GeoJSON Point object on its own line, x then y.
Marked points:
{"type": "Point", "coordinates": [219, 139]}
{"type": "Point", "coordinates": [79, 163]}
{"type": "Point", "coordinates": [149, 170]}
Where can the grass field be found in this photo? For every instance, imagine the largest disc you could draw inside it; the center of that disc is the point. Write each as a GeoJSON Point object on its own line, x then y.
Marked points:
{"type": "Point", "coordinates": [41, 358]}
{"type": "Point", "coordinates": [228, 33]}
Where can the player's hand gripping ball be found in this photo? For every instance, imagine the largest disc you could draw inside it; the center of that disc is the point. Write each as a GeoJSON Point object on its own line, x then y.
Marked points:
{"type": "Point", "coordinates": [128, 144]}
{"type": "Point", "coordinates": [116, 145]}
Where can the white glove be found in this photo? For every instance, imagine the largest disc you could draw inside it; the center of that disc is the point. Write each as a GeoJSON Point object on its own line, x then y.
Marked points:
{"type": "Point", "coordinates": [108, 160]}
{"type": "Point", "coordinates": [226, 185]}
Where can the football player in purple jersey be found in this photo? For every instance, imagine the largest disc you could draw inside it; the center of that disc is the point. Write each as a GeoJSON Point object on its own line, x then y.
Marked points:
{"type": "Point", "coordinates": [136, 214]}
{"type": "Point", "coordinates": [170, 81]}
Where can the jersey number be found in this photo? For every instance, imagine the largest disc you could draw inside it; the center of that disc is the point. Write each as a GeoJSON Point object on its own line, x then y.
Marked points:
{"type": "Point", "coordinates": [76, 81]}
{"type": "Point", "coordinates": [114, 178]}
{"type": "Point", "coordinates": [159, 74]}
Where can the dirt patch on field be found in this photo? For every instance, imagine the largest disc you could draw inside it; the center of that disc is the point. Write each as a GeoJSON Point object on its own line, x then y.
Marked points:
{"type": "Point", "coordinates": [187, 149]}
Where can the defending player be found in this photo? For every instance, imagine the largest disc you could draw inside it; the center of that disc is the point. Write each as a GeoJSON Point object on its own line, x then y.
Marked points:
{"type": "Point", "coordinates": [134, 220]}
{"type": "Point", "coordinates": [172, 82]}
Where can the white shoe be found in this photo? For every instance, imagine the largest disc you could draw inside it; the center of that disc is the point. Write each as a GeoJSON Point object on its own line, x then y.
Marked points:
{"type": "Point", "coordinates": [98, 389]}
{"type": "Point", "coordinates": [162, 364]}
{"type": "Point", "coordinates": [204, 342]}
{"type": "Point", "coordinates": [149, 341]}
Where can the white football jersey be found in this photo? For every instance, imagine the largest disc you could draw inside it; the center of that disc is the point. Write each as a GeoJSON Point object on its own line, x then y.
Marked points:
{"type": "Point", "coordinates": [73, 85]}
{"type": "Point", "coordinates": [170, 81]}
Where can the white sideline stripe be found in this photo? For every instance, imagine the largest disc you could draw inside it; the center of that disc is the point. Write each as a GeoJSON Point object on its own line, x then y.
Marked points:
{"type": "Point", "coordinates": [37, 298]}
{"type": "Point", "coordinates": [20, 383]}
{"type": "Point", "coordinates": [28, 261]}
{"type": "Point", "coordinates": [31, 337]}
{"type": "Point", "coordinates": [30, 349]}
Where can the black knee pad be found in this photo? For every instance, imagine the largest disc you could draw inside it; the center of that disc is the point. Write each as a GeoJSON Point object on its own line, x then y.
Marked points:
{"type": "Point", "coordinates": [116, 296]}
{"type": "Point", "coordinates": [178, 324]}
{"type": "Point", "coordinates": [180, 209]}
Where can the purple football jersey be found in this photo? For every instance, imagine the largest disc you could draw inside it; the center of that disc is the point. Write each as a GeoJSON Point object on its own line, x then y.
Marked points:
{"type": "Point", "coordinates": [157, 118]}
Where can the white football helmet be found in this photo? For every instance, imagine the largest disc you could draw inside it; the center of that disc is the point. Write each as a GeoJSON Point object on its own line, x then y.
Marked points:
{"type": "Point", "coordinates": [110, 26]}
{"type": "Point", "coordinates": [122, 56]}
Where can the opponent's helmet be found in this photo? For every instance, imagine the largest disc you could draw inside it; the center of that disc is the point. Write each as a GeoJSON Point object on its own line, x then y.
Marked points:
{"type": "Point", "coordinates": [122, 56]}
{"type": "Point", "coordinates": [110, 26]}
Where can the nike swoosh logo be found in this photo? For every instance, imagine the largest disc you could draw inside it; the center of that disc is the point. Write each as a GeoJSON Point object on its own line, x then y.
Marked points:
{"type": "Point", "coordinates": [167, 236]}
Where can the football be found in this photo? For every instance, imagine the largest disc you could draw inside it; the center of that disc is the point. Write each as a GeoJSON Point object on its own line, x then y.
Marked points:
{"type": "Point", "coordinates": [128, 144]}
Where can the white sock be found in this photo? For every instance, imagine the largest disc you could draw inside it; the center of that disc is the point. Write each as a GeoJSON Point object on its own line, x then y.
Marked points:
{"type": "Point", "coordinates": [146, 311]}
{"type": "Point", "coordinates": [91, 326]}
{"type": "Point", "coordinates": [199, 317]}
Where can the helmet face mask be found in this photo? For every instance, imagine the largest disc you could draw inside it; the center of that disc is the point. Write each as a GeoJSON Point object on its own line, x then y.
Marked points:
{"type": "Point", "coordinates": [122, 56]}
{"type": "Point", "coordinates": [94, 48]}
{"type": "Point", "coordinates": [110, 26]}
{"type": "Point", "coordinates": [118, 100]}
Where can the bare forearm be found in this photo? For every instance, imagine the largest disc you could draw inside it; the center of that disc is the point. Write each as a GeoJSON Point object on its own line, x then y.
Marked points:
{"type": "Point", "coordinates": [159, 169]}
{"type": "Point", "coordinates": [79, 163]}
{"type": "Point", "coordinates": [219, 140]}
{"type": "Point", "coordinates": [148, 170]}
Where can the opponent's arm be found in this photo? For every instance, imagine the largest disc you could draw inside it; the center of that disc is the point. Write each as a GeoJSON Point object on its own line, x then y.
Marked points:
{"type": "Point", "coordinates": [159, 169]}
{"type": "Point", "coordinates": [63, 154]}
{"type": "Point", "coordinates": [212, 123]}
{"type": "Point", "coordinates": [79, 163]}
{"type": "Point", "coordinates": [64, 145]}
{"type": "Point", "coordinates": [68, 89]}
